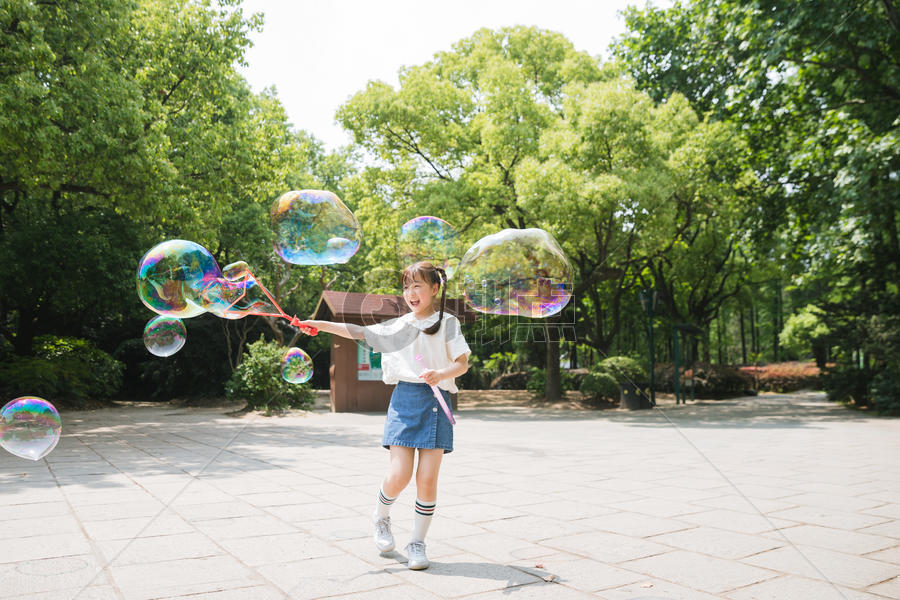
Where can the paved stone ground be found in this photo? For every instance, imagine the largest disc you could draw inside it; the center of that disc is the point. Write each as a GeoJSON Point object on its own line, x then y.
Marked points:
{"type": "Point", "coordinates": [776, 498]}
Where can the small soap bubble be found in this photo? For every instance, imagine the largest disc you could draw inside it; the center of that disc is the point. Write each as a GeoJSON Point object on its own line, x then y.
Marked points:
{"type": "Point", "coordinates": [313, 227]}
{"type": "Point", "coordinates": [429, 239]}
{"type": "Point", "coordinates": [523, 272]}
{"type": "Point", "coordinates": [164, 336]}
{"type": "Point", "coordinates": [29, 427]}
{"type": "Point", "coordinates": [296, 366]}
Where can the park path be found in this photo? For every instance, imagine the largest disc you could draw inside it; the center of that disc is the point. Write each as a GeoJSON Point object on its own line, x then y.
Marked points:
{"type": "Point", "coordinates": [779, 497]}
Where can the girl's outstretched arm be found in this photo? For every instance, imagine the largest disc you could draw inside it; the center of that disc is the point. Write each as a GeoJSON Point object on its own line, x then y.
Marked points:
{"type": "Point", "coordinates": [347, 330]}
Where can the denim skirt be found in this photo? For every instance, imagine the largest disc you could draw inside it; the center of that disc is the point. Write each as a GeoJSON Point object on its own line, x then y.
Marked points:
{"type": "Point", "coordinates": [416, 420]}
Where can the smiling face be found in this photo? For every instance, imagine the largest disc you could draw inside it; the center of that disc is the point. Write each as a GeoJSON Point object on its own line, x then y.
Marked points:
{"type": "Point", "coordinates": [419, 295]}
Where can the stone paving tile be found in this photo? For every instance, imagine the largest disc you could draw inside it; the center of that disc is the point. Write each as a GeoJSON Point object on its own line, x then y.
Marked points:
{"type": "Point", "coordinates": [537, 528]}
{"type": "Point", "coordinates": [850, 542]}
{"type": "Point", "coordinates": [118, 510]}
{"type": "Point", "coordinates": [635, 525]}
{"type": "Point", "coordinates": [889, 510]}
{"type": "Point", "coordinates": [126, 529]}
{"type": "Point", "coordinates": [37, 547]}
{"type": "Point", "coordinates": [181, 577]}
{"type": "Point", "coordinates": [256, 592]}
{"type": "Point", "coordinates": [51, 576]}
{"type": "Point", "coordinates": [889, 588]}
{"type": "Point", "coordinates": [827, 517]}
{"type": "Point", "coordinates": [736, 521]}
{"type": "Point", "coordinates": [80, 593]}
{"type": "Point", "coordinates": [842, 569]}
{"type": "Point", "coordinates": [788, 587]}
{"type": "Point", "coordinates": [891, 555]}
{"type": "Point", "coordinates": [717, 542]}
{"type": "Point", "coordinates": [698, 571]}
{"type": "Point", "coordinates": [606, 547]}
{"type": "Point", "coordinates": [657, 589]}
{"type": "Point", "coordinates": [280, 548]}
{"type": "Point", "coordinates": [479, 512]}
{"type": "Point", "coordinates": [40, 510]}
{"type": "Point", "coordinates": [158, 548]}
{"type": "Point", "coordinates": [312, 511]}
{"type": "Point", "coordinates": [239, 527]}
{"type": "Point", "coordinates": [889, 529]}
{"type": "Point", "coordinates": [738, 503]}
{"type": "Point", "coordinates": [500, 548]}
{"type": "Point", "coordinates": [38, 524]}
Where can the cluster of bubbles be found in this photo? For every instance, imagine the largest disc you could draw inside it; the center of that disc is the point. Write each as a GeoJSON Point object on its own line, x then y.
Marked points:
{"type": "Point", "coordinates": [29, 427]}
{"type": "Point", "coordinates": [519, 272]}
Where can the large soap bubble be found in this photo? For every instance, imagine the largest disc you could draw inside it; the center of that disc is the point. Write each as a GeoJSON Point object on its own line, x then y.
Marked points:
{"type": "Point", "coordinates": [520, 272]}
{"type": "Point", "coordinates": [313, 227]}
{"type": "Point", "coordinates": [171, 276]}
{"type": "Point", "coordinates": [164, 336]}
{"type": "Point", "coordinates": [296, 366]}
{"type": "Point", "coordinates": [29, 427]}
{"type": "Point", "coordinates": [431, 239]}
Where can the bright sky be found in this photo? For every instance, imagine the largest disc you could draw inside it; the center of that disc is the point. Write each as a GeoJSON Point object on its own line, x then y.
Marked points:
{"type": "Point", "coordinates": [318, 54]}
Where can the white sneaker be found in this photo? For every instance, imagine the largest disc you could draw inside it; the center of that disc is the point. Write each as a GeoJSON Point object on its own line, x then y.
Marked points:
{"type": "Point", "coordinates": [415, 552]}
{"type": "Point", "coordinates": [384, 539]}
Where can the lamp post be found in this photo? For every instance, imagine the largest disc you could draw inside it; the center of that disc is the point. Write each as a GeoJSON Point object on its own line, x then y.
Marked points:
{"type": "Point", "coordinates": [648, 302]}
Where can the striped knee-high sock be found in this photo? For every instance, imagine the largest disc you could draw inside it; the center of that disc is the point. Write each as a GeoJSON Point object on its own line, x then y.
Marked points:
{"type": "Point", "coordinates": [424, 512]}
{"type": "Point", "coordinates": [383, 506]}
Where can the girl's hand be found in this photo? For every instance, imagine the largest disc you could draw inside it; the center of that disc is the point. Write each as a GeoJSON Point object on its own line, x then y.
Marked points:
{"type": "Point", "coordinates": [431, 376]}
{"type": "Point", "coordinates": [307, 327]}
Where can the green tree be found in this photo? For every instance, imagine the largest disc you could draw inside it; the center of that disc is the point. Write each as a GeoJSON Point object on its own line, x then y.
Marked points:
{"type": "Point", "coordinates": [814, 88]}
{"type": "Point", "coordinates": [454, 133]}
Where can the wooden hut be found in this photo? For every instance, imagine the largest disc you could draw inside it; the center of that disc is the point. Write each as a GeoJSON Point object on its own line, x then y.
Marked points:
{"type": "Point", "coordinates": [355, 371]}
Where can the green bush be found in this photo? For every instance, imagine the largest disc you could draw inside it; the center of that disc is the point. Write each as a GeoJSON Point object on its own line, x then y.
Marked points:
{"type": "Point", "coordinates": [537, 381]}
{"type": "Point", "coordinates": [849, 384]}
{"type": "Point", "coordinates": [67, 369]}
{"type": "Point", "coordinates": [598, 384]}
{"type": "Point", "coordinates": [258, 380]}
{"type": "Point", "coordinates": [883, 391]}
{"type": "Point", "coordinates": [622, 368]}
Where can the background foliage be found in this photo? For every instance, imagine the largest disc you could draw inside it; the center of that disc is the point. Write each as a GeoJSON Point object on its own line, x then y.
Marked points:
{"type": "Point", "coordinates": [740, 158]}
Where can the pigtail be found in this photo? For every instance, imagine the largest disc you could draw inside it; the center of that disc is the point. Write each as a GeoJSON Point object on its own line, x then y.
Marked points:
{"type": "Point", "coordinates": [442, 280]}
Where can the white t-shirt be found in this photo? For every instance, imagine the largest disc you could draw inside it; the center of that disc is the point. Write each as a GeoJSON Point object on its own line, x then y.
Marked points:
{"type": "Point", "coordinates": [401, 339]}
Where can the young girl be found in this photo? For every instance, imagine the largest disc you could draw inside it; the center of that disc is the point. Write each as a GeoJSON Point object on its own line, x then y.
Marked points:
{"type": "Point", "coordinates": [419, 349]}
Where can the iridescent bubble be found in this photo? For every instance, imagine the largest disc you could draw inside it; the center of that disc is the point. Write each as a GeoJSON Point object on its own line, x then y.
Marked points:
{"type": "Point", "coordinates": [164, 336]}
{"type": "Point", "coordinates": [296, 366]}
{"type": "Point", "coordinates": [430, 239]}
{"type": "Point", "coordinates": [521, 272]}
{"type": "Point", "coordinates": [313, 227]}
{"type": "Point", "coordinates": [171, 276]}
{"type": "Point", "coordinates": [29, 427]}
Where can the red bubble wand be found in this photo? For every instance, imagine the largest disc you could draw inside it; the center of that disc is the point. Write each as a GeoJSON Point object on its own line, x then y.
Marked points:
{"type": "Point", "coordinates": [294, 321]}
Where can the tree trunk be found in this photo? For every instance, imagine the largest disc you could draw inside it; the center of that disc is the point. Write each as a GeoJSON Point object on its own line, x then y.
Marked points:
{"type": "Point", "coordinates": [776, 311]}
{"type": "Point", "coordinates": [553, 386]}
{"type": "Point", "coordinates": [24, 333]}
{"type": "Point", "coordinates": [720, 352]}
{"type": "Point", "coordinates": [743, 339]}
